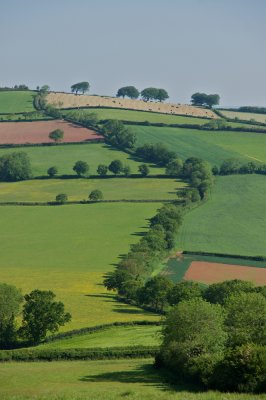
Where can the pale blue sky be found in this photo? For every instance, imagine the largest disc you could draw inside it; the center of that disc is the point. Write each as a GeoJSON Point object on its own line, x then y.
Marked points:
{"type": "Point", "coordinates": [216, 46]}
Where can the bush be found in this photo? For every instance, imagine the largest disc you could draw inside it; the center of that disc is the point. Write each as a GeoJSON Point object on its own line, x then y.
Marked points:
{"type": "Point", "coordinates": [52, 171]}
{"type": "Point", "coordinates": [61, 198]}
{"type": "Point", "coordinates": [15, 167]}
{"type": "Point", "coordinates": [96, 195]}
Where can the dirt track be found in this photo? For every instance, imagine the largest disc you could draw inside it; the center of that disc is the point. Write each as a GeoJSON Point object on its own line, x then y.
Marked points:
{"type": "Point", "coordinates": [206, 272]}
{"type": "Point", "coordinates": [38, 132]}
{"type": "Point", "coordinates": [64, 100]}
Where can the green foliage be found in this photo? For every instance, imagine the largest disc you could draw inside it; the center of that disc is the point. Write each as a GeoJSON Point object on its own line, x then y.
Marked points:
{"type": "Point", "coordinates": [15, 167]}
{"type": "Point", "coordinates": [87, 119]}
{"type": "Point", "coordinates": [118, 135]}
{"type": "Point", "coordinates": [81, 168]}
{"type": "Point", "coordinates": [174, 167]}
{"type": "Point", "coordinates": [61, 198]}
{"type": "Point", "coordinates": [116, 167]}
{"type": "Point", "coordinates": [96, 195]}
{"type": "Point", "coordinates": [42, 314]}
{"type": "Point", "coordinates": [82, 87]}
{"type": "Point", "coordinates": [156, 153]}
{"type": "Point", "coordinates": [186, 290]}
{"type": "Point", "coordinates": [154, 293]}
{"type": "Point", "coordinates": [129, 91]}
{"type": "Point", "coordinates": [52, 171]}
{"type": "Point", "coordinates": [127, 170]}
{"type": "Point", "coordinates": [57, 135]}
{"type": "Point", "coordinates": [203, 99]}
{"type": "Point", "coordinates": [219, 293]}
{"type": "Point", "coordinates": [144, 169]}
{"type": "Point", "coordinates": [102, 170]}
{"type": "Point", "coordinates": [154, 94]}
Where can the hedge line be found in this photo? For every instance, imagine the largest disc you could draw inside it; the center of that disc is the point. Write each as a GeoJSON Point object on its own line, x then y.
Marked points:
{"type": "Point", "coordinates": [236, 256]}
{"type": "Point", "coordinates": [13, 145]}
{"type": "Point", "coordinates": [78, 354]}
{"type": "Point", "coordinates": [56, 203]}
{"type": "Point", "coordinates": [27, 120]}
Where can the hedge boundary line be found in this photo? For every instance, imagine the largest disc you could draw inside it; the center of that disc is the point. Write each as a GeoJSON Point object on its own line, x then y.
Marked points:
{"type": "Point", "coordinates": [69, 203]}
{"type": "Point", "coordinates": [14, 145]}
{"type": "Point", "coordinates": [225, 255]}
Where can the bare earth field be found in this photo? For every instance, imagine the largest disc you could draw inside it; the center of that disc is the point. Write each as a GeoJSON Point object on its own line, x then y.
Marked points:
{"type": "Point", "coordinates": [38, 132]}
{"type": "Point", "coordinates": [65, 100]}
{"type": "Point", "coordinates": [208, 273]}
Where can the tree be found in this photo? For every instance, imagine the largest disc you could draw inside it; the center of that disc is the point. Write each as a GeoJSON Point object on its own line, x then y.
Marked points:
{"type": "Point", "coordinates": [52, 171]}
{"type": "Point", "coordinates": [230, 166]}
{"type": "Point", "coordinates": [96, 195]}
{"type": "Point", "coordinates": [129, 91]}
{"type": "Point", "coordinates": [61, 198]}
{"type": "Point", "coordinates": [162, 95]}
{"type": "Point", "coordinates": [10, 300]}
{"type": "Point", "coordinates": [149, 94]}
{"type": "Point", "coordinates": [127, 170]}
{"type": "Point", "coordinates": [15, 167]}
{"type": "Point", "coordinates": [144, 169]}
{"type": "Point", "coordinates": [81, 168]}
{"type": "Point", "coordinates": [174, 167]}
{"type": "Point", "coordinates": [186, 290]}
{"type": "Point", "coordinates": [44, 89]}
{"type": "Point", "coordinates": [80, 87]}
{"type": "Point", "coordinates": [102, 170]}
{"type": "Point", "coordinates": [42, 314]}
{"type": "Point", "coordinates": [116, 167]}
{"type": "Point", "coordinates": [203, 99]}
{"type": "Point", "coordinates": [118, 135]}
{"type": "Point", "coordinates": [155, 293]}
{"type": "Point", "coordinates": [219, 293]}
{"type": "Point", "coordinates": [212, 100]}
{"type": "Point", "coordinates": [57, 135]}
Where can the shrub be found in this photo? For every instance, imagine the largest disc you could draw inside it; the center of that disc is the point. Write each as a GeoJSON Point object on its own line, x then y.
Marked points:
{"type": "Point", "coordinates": [61, 198]}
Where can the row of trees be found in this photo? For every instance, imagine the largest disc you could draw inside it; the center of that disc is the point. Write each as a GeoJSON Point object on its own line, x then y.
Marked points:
{"type": "Point", "coordinates": [41, 314]}
{"type": "Point", "coordinates": [234, 166]}
{"type": "Point", "coordinates": [94, 195]}
{"type": "Point", "coordinates": [203, 99]}
{"type": "Point", "coordinates": [147, 94]}
{"type": "Point", "coordinates": [118, 135]}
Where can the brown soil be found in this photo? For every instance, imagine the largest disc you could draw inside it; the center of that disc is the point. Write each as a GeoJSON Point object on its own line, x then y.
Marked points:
{"type": "Point", "coordinates": [207, 272]}
{"type": "Point", "coordinates": [38, 132]}
{"type": "Point", "coordinates": [65, 100]}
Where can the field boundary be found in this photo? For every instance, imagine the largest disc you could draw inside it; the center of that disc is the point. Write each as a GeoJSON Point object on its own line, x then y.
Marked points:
{"type": "Point", "coordinates": [69, 203]}
{"type": "Point", "coordinates": [225, 255]}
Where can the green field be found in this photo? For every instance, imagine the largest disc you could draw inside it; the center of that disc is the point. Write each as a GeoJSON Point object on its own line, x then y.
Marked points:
{"type": "Point", "coordinates": [212, 146]}
{"type": "Point", "coordinates": [16, 102]}
{"type": "Point", "coordinates": [79, 189]}
{"type": "Point", "coordinates": [67, 249]}
{"type": "Point", "coordinates": [24, 117]}
{"type": "Point", "coordinates": [232, 221]}
{"type": "Point", "coordinates": [64, 157]}
{"type": "Point", "coordinates": [98, 380]}
{"type": "Point", "coordinates": [244, 115]}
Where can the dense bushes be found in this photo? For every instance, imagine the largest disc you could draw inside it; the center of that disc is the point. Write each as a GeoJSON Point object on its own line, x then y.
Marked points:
{"type": "Point", "coordinates": [234, 166]}
{"type": "Point", "coordinates": [118, 135]}
{"type": "Point", "coordinates": [15, 167]}
{"type": "Point", "coordinates": [156, 153]}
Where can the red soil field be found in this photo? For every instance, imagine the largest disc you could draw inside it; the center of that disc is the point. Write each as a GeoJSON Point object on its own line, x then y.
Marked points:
{"type": "Point", "coordinates": [38, 132]}
{"type": "Point", "coordinates": [207, 272]}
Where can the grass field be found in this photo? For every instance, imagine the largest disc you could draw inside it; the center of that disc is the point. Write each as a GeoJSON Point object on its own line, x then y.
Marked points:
{"type": "Point", "coordinates": [244, 115]}
{"type": "Point", "coordinates": [98, 380]}
{"type": "Point", "coordinates": [16, 102]}
{"type": "Point", "coordinates": [68, 249]}
{"type": "Point", "coordinates": [79, 189]}
{"type": "Point", "coordinates": [232, 221]}
{"type": "Point", "coordinates": [214, 147]}
{"type": "Point", "coordinates": [64, 157]}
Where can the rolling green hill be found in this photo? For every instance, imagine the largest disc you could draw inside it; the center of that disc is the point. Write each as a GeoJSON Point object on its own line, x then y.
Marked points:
{"type": "Point", "coordinates": [16, 102]}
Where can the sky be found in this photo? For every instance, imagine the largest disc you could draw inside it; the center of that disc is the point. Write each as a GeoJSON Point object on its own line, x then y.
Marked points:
{"type": "Point", "coordinates": [183, 46]}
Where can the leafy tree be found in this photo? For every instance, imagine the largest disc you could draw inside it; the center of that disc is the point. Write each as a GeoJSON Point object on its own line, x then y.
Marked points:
{"type": "Point", "coordinates": [212, 100]}
{"type": "Point", "coordinates": [52, 171]}
{"type": "Point", "coordinates": [186, 290]}
{"type": "Point", "coordinates": [116, 167]}
{"type": "Point", "coordinates": [156, 153]}
{"type": "Point", "coordinates": [44, 89]}
{"type": "Point", "coordinates": [144, 169]}
{"type": "Point", "coordinates": [10, 300]}
{"type": "Point", "coordinates": [115, 280]}
{"type": "Point", "coordinates": [102, 170]}
{"type": "Point", "coordinates": [81, 168]}
{"type": "Point", "coordinates": [15, 167]}
{"type": "Point", "coordinates": [189, 195]}
{"type": "Point", "coordinates": [155, 293]}
{"type": "Point", "coordinates": [219, 293]}
{"type": "Point", "coordinates": [118, 135]}
{"type": "Point", "coordinates": [61, 198]}
{"type": "Point", "coordinates": [174, 167]}
{"type": "Point", "coordinates": [127, 170]}
{"type": "Point", "coordinates": [96, 195]}
{"type": "Point", "coordinates": [149, 94]}
{"type": "Point", "coordinates": [129, 91]}
{"type": "Point", "coordinates": [57, 135]}
{"type": "Point", "coordinates": [201, 99]}
{"type": "Point", "coordinates": [162, 95]}
{"type": "Point", "coordinates": [80, 87]}
{"type": "Point", "coordinates": [42, 314]}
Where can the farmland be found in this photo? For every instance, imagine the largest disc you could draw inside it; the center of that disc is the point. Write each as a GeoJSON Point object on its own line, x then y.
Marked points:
{"type": "Point", "coordinates": [244, 116]}
{"type": "Point", "coordinates": [70, 253]}
{"type": "Point", "coordinates": [232, 221]}
{"type": "Point", "coordinates": [79, 189]}
{"type": "Point", "coordinates": [16, 102]}
{"type": "Point", "coordinates": [38, 132]}
{"type": "Point", "coordinates": [212, 146]}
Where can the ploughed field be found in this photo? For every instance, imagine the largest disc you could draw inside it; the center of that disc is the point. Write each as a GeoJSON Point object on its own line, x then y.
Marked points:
{"type": "Point", "coordinates": [38, 132]}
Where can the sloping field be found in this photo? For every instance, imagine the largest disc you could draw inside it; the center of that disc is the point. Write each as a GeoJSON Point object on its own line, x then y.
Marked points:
{"type": "Point", "coordinates": [244, 115]}
{"type": "Point", "coordinates": [209, 273]}
{"type": "Point", "coordinates": [38, 132]}
{"type": "Point", "coordinates": [232, 221]}
{"type": "Point", "coordinates": [79, 189]}
{"type": "Point", "coordinates": [67, 249]}
{"type": "Point", "coordinates": [64, 157]}
{"type": "Point", "coordinates": [65, 100]}
{"type": "Point", "coordinates": [212, 146]}
{"type": "Point", "coordinates": [16, 102]}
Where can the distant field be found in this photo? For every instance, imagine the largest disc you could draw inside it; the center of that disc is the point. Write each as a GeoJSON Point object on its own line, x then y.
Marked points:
{"type": "Point", "coordinates": [98, 380]}
{"type": "Point", "coordinates": [38, 132]}
{"type": "Point", "coordinates": [244, 115]}
{"type": "Point", "coordinates": [79, 189]}
{"type": "Point", "coordinates": [232, 221]}
{"type": "Point", "coordinates": [64, 157]}
{"type": "Point", "coordinates": [16, 102]}
{"type": "Point", "coordinates": [212, 146]}
{"type": "Point", "coordinates": [68, 249]}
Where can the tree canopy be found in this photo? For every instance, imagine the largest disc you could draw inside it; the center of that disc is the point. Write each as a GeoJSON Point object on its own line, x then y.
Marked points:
{"type": "Point", "coordinates": [15, 167]}
{"type": "Point", "coordinates": [57, 135]}
{"type": "Point", "coordinates": [128, 91]}
{"type": "Point", "coordinates": [203, 99]}
{"type": "Point", "coordinates": [81, 168]}
{"type": "Point", "coordinates": [82, 87]}
{"type": "Point", "coordinates": [152, 93]}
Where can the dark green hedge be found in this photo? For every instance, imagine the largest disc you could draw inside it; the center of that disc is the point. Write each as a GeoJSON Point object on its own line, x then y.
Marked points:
{"type": "Point", "coordinates": [237, 256]}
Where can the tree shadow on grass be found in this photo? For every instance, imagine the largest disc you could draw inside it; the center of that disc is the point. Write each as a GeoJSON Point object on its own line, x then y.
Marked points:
{"type": "Point", "coordinates": [123, 309]}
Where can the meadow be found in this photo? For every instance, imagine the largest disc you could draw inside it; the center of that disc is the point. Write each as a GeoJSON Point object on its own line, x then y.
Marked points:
{"type": "Point", "coordinates": [212, 146]}
{"type": "Point", "coordinates": [16, 102]}
{"type": "Point", "coordinates": [97, 380]}
{"type": "Point", "coordinates": [68, 249]}
{"type": "Point", "coordinates": [244, 115]}
{"type": "Point", "coordinates": [232, 221]}
{"type": "Point", "coordinates": [64, 157]}
{"type": "Point", "coordinates": [79, 189]}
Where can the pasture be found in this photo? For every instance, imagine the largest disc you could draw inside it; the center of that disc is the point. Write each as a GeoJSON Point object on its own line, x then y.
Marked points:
{"type": "Point", "coordinates": [98, 380]}
{"type": "Point", "coordinates": [213, 146]}
{"type": "Point", "coordinates": [232, 221]}
{"type": "Point", "coordinates": [64, 157]}
{"type": "Point", "coordinates": [67, 249]}
{"type": "Point", "coordinates": [38, 132]}
{"type": "Point", "coordinates": [244, 116]}
{"type": "Point", "coordinates": [16, 102]}
{"type": "Point", "coordinates": [79, 189]}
